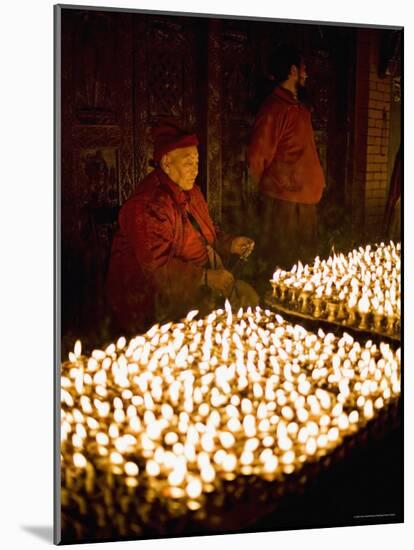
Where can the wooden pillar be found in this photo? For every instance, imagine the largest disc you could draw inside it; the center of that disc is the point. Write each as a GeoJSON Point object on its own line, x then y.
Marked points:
{"type": "Point", "coordinates": [127, 175]}
{"type": "Point", "coordinates": [97, 155]}
{"type": "Point", "coordinates": [141, 122]}
{"type": "Point", "coordinates": [214, 115]}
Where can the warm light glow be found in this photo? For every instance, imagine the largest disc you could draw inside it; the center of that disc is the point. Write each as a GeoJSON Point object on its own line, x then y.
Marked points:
{"type": "Point", "coordinates": [187, 406]}
{"type": "Point", "coordinates": [79, 460]}
{"type": "Point", "coordinates": [361, 289]}
{"type": "Point", "coordinates": [131, 469]}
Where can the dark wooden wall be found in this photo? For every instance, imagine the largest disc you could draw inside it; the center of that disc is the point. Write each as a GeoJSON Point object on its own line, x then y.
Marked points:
{"type": "Point", "coordinates": [121, 73]}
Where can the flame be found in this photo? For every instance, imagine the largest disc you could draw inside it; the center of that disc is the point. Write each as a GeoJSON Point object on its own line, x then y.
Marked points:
{"type": "Point", "coordinates": [131, 469]}
{"type": "Point", "coordinates": [79, 460]}
{"type": "Point", "coordinates": [208, 473]}
{"type": "Point", "coordinates": [190, 316]}
{"type": "Point", "coordinates": [319, 291]}
{"type": "Point", "coordinates": [153, 468]}
{"type": "Point", "coordinates": [229, 463]}
{"type": "Point", "coordinates": [194, 488]}
{"type": "Point", "coordinates": [78, 349]}
{"type": "Point", "coordinates": [311, 446]}
{"type": "Point", "coordinates": [363, 304]}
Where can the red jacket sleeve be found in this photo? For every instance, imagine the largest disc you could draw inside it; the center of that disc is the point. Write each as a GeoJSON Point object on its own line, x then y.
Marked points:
{"type": "Point", "coordinates": [151, 229]}
{"type": "Point", "coordinates": [264, 140]}
{"type": "Point", "coordinates": [220, 240]}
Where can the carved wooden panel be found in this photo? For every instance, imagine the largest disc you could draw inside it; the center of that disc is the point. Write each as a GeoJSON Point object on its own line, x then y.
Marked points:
{"type": "Point", "coordinates": [141, 128]}
{"type": "Point", "coordinates": [166, 69]}
{"type": "Point", "coordinates": [330, 58]}
{"type": "Point", "coordinates": [238, 66]}
{"type": "Point", "coordinates": [97, 176]}
{"type": "Point", "coordinates": [320, 86]}
{"type": "Point", "coordinates": [123, 73]}
{"type": "Point", "coordinates": [165, 86]}
{"type": "Point", "coordinates": [97, 153]}
{"type": "Point", "coordinates": [215, 108]}
{"type": "Point", "coordinates": [95, 68]}
{"type": "Point", "coordinates": [97, 89]}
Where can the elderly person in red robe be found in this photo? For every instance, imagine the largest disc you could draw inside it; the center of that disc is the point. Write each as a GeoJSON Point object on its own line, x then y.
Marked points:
{"type": "Point", "coordinates": [166, 256]}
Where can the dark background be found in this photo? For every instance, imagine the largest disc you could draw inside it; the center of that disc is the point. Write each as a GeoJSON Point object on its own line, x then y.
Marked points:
{"type": "Point", "coordinates": [123, 72]}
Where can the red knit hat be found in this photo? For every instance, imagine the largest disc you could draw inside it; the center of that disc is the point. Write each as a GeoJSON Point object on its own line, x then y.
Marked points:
{"type": "Point", "coordinates": [168, 137]}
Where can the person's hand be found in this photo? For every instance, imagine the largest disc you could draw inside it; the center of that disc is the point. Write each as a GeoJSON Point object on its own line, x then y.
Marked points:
{"type": "Point", "coordinates": [242, 246]}
{"type": "Point", "coordinates": [220, 280]}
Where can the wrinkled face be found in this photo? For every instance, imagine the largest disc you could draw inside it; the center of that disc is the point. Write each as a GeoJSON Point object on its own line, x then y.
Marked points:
{"type": "Point", "coordinates": [181, 165]}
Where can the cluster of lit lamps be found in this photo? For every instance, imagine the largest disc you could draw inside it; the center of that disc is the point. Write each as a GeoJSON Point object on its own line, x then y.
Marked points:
{"type": "Point", "coordinates": [170, 417]}
{"type": "Point", "coordinates": [361, 289]}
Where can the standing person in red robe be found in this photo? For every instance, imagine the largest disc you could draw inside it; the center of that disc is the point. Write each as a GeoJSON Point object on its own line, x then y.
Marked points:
{"type": "Point", "coordinates": [284, 167]}
{"type": "Point", "coordinates": [166, 257]}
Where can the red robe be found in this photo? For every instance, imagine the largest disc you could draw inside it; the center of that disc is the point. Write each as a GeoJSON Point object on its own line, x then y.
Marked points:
{"type": "Point", "coordinates": [282, 155]}
{"type": "Point", "coordinates": [157, 256]}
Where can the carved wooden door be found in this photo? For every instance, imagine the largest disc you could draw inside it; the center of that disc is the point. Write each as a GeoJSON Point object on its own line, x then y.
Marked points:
{"type": "Point", "coordinates": [244, 58]}
{"type": "Point", "coordinates": [97, 153]}
{"type": "Point", "coordinates": [124, 73]}
{"type": "Point", "coordinates": [121, 74]}
{"type": "Point", "coordinates": [240, 60]}
{"type": "Point", "coordinates": [168, 67]}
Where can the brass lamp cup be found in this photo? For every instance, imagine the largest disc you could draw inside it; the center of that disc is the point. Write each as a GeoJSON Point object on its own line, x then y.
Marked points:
{"type": "Point", "coordinates": [351, 315]}
{"type": "Point", "coordinates": [363, 321]}
{"type": "Point", "coordinates": [317, 302]}
{"type": "Point", "coordinates": [275, 287]}
{"type": "Point", "coordinates": [397, 326]}
{"type": "Point", "coordinates": [390, 324]}
{"type": "Point", "coordinates": [378, 318]}
{"type": "Point", "coordinates": [341, 313]}
{"type": "Point", "coordinates": [332, 311]}
{"type": "Point", "coordinates": [282, 289]}
{"type": "Point", "coordinates": [294, 297]}
{"type": "Point", "coordinates": [304, 299]}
